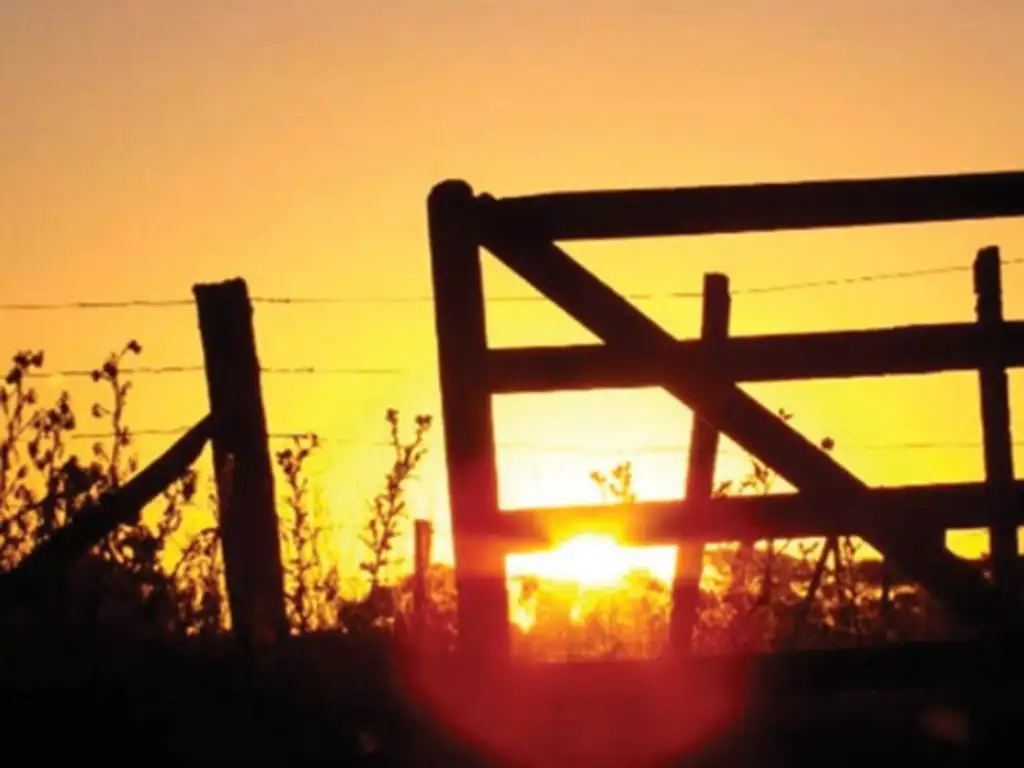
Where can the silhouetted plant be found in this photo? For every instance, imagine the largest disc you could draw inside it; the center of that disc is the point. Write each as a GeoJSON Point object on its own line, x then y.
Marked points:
{"type": "Point", "coordinates": [313, 594]}
{"type": "Point", "coordinates": [200, 583]}
{"type": "Point", "coordinates": [43, 485]}
{"type": "Point", "coordinates": [388, 510]}
{"type": "Point", "coordinates": [37, 477]}
{"type": "Point", "coordinates": [132, 576]}
{"type": "Point", "coordinates": [312, 584]}
{"type": "Point", "coordinates": [387, 513]}
{"type": "Point", "coordinates": [791, 592]}
{"type": "Point", "coordinates": [139, 549]}
{"type": "Point", "coordinates": [438, 623]}
{"type": "Point", "coordinates": [618, 485]}
{"type": "Point", "coordinates": [199, 575]}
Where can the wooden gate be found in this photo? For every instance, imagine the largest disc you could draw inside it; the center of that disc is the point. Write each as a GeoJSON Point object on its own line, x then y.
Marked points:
{"type": "Point", "coordinates": [905, 524]}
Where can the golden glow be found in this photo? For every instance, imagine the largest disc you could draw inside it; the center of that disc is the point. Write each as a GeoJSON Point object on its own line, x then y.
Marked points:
{"type": "Point", "coordinates": [590, 564]}
{"type": "Point", "coordinates": [523, 617]}
{"type": "Point", "coordinates": [294, 144]}
{"type": "Point", "coordinates": [592, 560]}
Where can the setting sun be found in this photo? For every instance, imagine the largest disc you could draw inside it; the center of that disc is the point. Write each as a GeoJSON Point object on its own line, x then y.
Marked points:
{"type": "Point", "coordinates": [585, 567]}
{"type": "Point", "coordinates": [592, 561]}
{"type": "Point", "coordinates": [357, 355]}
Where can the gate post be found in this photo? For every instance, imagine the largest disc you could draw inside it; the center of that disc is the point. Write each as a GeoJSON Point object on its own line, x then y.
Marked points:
{"type": "Point", "coordinates": [468, 422]}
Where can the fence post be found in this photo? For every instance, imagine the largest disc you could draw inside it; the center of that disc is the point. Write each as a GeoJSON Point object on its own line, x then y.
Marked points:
{"type": "Point", "coordinates": [995, 415]}
{"type": "Point", "coordinates": [700, 474]}
{"type": "Point", "coordinates": [242, 467]}
{"type": "Point", "coordinates": [423, 532]}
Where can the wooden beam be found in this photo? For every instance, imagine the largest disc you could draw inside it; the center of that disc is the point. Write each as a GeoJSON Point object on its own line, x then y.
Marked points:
{"type": "Point", "coordinates": [995, 415]}
{"type": "Point", "coordinates": [245, 483]}
{"type": "Point", "coordinates": [914, 510]}
{"type": "Point", "coordinates": [761, 207]}
{"type": "Point", "coordinates": [700, 476]}
{"type": "Point", "coordinates": [51, 559]}
{"type": "Point", "coordinates": [914, 349]}
{"type": "Point", "coordinates": [961, 586]}
{"type": "Point", "coordinates": [467, 419]}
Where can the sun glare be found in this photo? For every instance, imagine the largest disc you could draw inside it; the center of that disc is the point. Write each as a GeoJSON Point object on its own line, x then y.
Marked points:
{"type": "Point", "coordinates": [588, 565]}
{"type": "Point", "coordinates": [593, 560]}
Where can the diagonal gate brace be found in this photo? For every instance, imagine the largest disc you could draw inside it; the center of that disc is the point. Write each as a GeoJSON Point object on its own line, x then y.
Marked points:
{"type": "Point", "coordinates": [721, 403]}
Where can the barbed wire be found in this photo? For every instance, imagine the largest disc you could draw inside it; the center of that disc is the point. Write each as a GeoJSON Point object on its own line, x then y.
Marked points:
{"type": "Point", "coordinates": [395, 371]}
{"type": "Point", "coordinates": [195, 368]}
{"type": "Point", "coordinates": [112, 304]}
{"type": "Point", "coordinates": [859, 279]}
{"type": "Point", "coordinates": [426, 299]}
{"type": "Point", "coordinates": [643, 448]}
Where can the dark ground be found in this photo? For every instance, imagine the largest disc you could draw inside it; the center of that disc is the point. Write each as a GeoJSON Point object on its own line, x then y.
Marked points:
{"type": "Point", "coordinates": [326, 701]}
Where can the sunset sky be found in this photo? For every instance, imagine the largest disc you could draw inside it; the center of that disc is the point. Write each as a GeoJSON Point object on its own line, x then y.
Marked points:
{"type": "Point", "coordinates": [151, 145]}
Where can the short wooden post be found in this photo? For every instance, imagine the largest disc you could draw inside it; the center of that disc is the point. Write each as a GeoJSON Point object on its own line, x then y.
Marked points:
{"type": "Point", "coordinates": [468, 422]}
{"type": "Point", "coordinates": [242, 467]}
{"type": "Point", "coordinates": [995, 415]}
{"type": "Point", "coordinates": [700, 475]}
{"type": "Point", "coordinates": [424, 534]}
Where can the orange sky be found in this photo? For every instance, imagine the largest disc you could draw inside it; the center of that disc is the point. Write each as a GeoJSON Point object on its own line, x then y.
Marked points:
{"type": "Point", "coordinates": [151, 145]}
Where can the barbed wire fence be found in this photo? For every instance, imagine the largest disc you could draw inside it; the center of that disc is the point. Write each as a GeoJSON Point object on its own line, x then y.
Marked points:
{"type": "Point", "coordinates": [398, 371]}
{"type": "Point", "coordinates": [538, 449]}
{"type": "Point", "coordinates": [832, 282]}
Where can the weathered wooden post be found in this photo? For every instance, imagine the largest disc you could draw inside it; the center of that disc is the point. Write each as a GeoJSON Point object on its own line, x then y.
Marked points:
{"type": "Point", "coordinates": [423, 532]}
{"type": "Point", "coordinates": [468, 421]}
{"type": "Point", "coordinates": [242, 467]}
{"type": "Point", "coordinates": [995, 416]}
{"type": "Point", "coordinates": [700, 475]}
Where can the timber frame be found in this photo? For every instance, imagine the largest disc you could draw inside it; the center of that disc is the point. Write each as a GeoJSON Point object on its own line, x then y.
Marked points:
{"type": "Point", "coordinates": [905, 524]}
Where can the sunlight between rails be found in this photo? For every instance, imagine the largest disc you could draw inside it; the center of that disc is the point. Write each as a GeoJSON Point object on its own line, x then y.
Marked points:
{"type": "Point", "coordinates": [590, 592]}
{"type": "Point", "coordinates": [592, 598]}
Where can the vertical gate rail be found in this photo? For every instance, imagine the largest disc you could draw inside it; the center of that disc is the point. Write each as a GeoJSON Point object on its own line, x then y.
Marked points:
{"type": "Point", "coordinates": [700, 476]}
{"type": "Point", "coordinates": [521, 232]}
{"type": "Point", "coordinates": [995, 419]}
